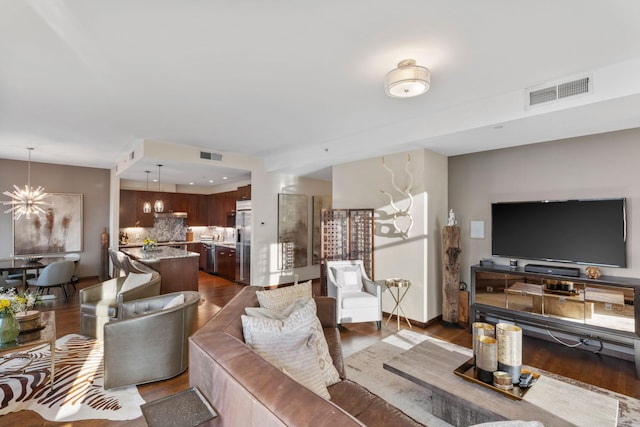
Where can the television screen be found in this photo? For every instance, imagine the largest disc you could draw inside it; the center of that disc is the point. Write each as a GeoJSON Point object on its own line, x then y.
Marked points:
{"type": "Point", "coordinates": [576, 231]}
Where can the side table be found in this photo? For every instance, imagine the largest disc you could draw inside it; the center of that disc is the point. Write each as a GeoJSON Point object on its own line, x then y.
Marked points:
{"type": "Point", "coordinates": [401, 286]}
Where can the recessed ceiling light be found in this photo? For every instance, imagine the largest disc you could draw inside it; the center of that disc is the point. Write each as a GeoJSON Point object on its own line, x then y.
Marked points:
{"type": "Point", "coordinates": [224, 177]}
{"type": "Point", "coordinates": [210, 180]}
{"type": "Point", "coordinates": [191, 183]}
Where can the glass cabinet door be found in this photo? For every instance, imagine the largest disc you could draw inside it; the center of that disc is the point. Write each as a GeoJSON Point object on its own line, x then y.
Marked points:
{"type": "Point", "coordinates": [564, 299]}
{"type": "Point", "coordinates": [610, 307]}
{"type": "Point", "coordinates": [490, 287]}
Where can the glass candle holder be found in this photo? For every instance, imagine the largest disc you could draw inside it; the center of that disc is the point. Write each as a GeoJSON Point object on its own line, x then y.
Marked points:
{"type": "Point", "coordinates": [481, 329]}
{"type": "Point", "coordinates": [510, 349]}
{"type": "Point", "coordinates": [487, 358]}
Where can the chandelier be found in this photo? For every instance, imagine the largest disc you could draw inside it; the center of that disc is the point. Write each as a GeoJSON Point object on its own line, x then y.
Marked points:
{"type": "Point", "coordinates": [26, 201]}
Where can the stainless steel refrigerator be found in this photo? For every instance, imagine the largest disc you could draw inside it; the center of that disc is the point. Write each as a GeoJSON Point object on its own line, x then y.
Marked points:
{"type": "Point", "coordinates": [243, 242]}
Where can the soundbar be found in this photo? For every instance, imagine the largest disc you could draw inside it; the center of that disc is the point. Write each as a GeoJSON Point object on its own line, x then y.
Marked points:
{"type": "Point", "coordinates": [548, 269]}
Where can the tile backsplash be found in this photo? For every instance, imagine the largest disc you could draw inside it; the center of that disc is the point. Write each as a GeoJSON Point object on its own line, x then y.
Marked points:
{"type": "Point", "coordinates": [174, 229]}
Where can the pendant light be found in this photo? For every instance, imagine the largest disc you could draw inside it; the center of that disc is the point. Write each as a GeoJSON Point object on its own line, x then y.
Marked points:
{"type": "Point", "coordinates": [146, 206]}
{"type": "Point", "coordinates": [158, 205]}
{"type": "Point", "coordinates": [27, 201]}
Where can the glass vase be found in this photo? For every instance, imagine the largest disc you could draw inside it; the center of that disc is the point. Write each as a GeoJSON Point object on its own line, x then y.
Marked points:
{"type": "Point", "coordinates": [9, 328]}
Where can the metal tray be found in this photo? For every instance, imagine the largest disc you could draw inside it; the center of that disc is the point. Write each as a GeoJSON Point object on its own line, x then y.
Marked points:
{"type": "Point", "coordinates": [468, 371]}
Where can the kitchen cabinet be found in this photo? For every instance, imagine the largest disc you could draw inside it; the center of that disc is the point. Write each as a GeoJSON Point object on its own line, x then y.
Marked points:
{"type": "Point", "coordinates": [226, 262]}
{"type": "Point", "coordinates": [128, 217]}
{"type": "Point", "coordinates": [195, 205]}
{"type": "Point", "coordinates": [132, 201]}
{"type": "Point", "coordinates": [244, 193]}
{"type": "Point", "coordinates": [222, 208]}
{"type": "Point", "coordinates": [131, 205]}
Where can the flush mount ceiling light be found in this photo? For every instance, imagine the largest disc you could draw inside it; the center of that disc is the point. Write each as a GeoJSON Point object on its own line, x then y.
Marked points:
{"type": "Point", "coordinates": [407, 80]}
{"type": "Point", "coordinates": [158, 205]}
{"type": "Point", "coordinates": [146, 206]}
{"type": "Point", "coordinates": [26, 201]}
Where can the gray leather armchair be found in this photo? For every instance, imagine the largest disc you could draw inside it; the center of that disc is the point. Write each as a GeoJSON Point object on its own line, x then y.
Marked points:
{"type": "Point", "coordinates": [101, 303]}
{"type": "Point", "coordinates": [149, 343]}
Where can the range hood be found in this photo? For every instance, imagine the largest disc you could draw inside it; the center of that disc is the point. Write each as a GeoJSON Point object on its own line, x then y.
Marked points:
{"type": "Point", "coordinates": [170, 215]}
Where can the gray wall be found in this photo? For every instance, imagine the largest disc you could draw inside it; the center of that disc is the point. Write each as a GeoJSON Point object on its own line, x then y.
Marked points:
{"type": "Point", "coordinates": [596, 166]}
{"type": "Point", "coordinates": [92, 183]}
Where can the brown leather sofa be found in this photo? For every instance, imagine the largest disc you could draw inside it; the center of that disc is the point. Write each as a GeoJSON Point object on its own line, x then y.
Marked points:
{"type": "Point", "coordinates": [148, 342]}
{"type": "Point", "coordinates": [246, 390]}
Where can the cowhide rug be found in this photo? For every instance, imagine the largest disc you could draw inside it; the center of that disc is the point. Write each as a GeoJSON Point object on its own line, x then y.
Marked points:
{"type": "Point", "coordinates": [78, 392]}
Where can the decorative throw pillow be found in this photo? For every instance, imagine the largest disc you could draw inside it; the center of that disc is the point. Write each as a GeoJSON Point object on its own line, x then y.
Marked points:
{"type": "Point", "coordinates": [278, 299]}
{"type": "Point", "coordinates": [349, 278]}
{"type": "Point", "coordinates": [288, 345]}
{"type": "Point", "coordinates": [133, 280]}
{"type": "Point", "coordinates": [328, 370]}
{"type": "Point", "coordinates": [174, 302]}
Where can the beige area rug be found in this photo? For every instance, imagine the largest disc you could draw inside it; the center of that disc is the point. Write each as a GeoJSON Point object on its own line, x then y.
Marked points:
{"type": "Point", "coordinates": [365, 368]}
{"type": "Point", "coordinates": [78, 392]}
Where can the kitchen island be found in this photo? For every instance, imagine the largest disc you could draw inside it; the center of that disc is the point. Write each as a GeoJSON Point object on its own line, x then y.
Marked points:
{"type": "Point", "coordinates": [178, 268]}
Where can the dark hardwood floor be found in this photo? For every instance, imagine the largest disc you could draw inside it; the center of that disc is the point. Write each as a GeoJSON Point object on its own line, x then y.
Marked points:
{"type": "Point", "coordinates": [603, 371]}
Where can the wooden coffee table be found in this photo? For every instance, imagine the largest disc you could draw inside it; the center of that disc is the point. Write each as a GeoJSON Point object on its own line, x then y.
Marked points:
{"type": "Point", "coordinates": [461, 402]}
{"type": "Point", "coordinates": [47, 336]}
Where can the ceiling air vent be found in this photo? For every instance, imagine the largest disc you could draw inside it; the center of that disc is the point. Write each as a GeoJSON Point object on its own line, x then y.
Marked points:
{"type": "Point", "coordinates": [559, 91]}
{"type": "Point", "coordinates": [211, 156]}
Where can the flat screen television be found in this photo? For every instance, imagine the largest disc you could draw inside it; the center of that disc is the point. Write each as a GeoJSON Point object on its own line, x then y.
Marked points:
{"type": "Point", "coordinates": [590, 232]}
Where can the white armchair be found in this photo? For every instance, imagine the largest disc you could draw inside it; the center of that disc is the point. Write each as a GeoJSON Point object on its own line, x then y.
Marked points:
{"type": "Point", "coordinates": [358, 299]}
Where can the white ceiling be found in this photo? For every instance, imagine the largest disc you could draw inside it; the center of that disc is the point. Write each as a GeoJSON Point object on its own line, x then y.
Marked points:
{"type": "Point", "coordinates": [299, 83]}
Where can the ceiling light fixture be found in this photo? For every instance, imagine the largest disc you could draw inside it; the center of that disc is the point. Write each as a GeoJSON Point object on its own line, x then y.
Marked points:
{"type": "Point", "coordinates": [407, 80]}
{"type": "Point", "coordinates": [27, 201]}
{"type": "Point", "coordinates": [158, 206]}
{"type": "Point", "coordinates": [146, 206]}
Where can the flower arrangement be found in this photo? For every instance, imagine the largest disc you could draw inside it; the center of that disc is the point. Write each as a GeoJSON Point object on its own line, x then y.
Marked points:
{"type": "Point", "coordinates": [149, 243]}
{"type": "Point", "coordinates": [12, 301]}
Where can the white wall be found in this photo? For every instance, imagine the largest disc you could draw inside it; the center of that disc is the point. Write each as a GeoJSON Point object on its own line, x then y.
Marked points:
{"type": "Point", "coordinates": [265, 187]}
{"type": "Point", "coordinates": [596, 166]}
{"type": "Point", "coordinates": [417, 258]}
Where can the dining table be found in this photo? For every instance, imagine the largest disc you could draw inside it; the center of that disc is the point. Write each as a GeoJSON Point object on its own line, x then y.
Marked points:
{"type": "Point", "coordinates": [23, 264]}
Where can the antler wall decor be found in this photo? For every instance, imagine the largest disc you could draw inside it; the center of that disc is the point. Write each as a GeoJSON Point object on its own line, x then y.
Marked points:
{"type": "Point", "coordinates": [401, 213]}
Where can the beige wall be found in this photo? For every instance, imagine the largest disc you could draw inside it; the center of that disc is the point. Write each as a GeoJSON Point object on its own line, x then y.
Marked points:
{"type": "Point", "coordinates": [92, 183]}
{"type": "Point", "coordinates": [417, 258]}
{"type": "Point", "coordinates": [596, 166]}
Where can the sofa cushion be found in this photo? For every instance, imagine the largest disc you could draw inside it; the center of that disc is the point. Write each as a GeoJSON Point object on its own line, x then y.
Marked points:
{"type": "Point", "coordinates": [349, 278]}
{"type": "Point", "coordinates": [133, 280]}
{"type": "Point", "coordinates": [368, 408]}
{"type": "Point", "coordinates": [358, 300]}
{"type": "Point", "coordinates": [288, 345]}
{"type": "Point", "coordinates": [324, 359]}
{"type": "Point", "coordinates": [280, 298]}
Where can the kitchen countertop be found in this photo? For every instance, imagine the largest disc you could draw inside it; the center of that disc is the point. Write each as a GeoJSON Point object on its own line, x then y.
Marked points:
{"type": "Point", "coordinates": [176, 243]}
{"type": "Point", "coordinates": [158, 254]}
{"type": "Point", "coordinates": [231, 245]}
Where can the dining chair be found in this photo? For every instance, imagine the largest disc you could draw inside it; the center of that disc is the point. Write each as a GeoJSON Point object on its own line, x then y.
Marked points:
{"type": "Point", "coordinates": [56, 274]}
{"type": "Point", "coordinates": [76, 260]}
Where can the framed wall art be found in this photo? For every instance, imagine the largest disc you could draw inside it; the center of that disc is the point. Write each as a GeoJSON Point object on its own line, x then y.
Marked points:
{"type": "Point", "coordinates": [319, 203]}
{"type": "Point", "coordinates": [293, 229]}
{"type": "Point", "coordinates": [58, 230]}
